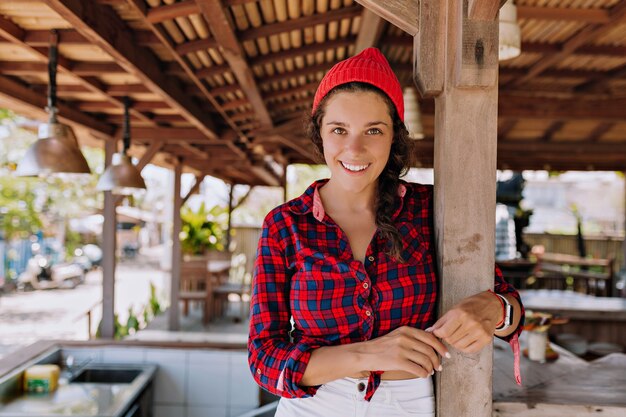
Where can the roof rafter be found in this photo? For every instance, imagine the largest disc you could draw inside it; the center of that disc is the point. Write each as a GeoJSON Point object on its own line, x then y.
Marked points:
{"type": "Point", "coordinates": [140, 8]}
{"type": "Point", "coordinates": [34, 105]}
{"type": "Point", "coordinates": [300, 23]}
{"type": "Point", "coordinates": [102, 26]}
{"type": "Point", "coordinates": [16, 35]}
{"type": "Point", "coordinates": [584, 36]}
{"type": "Point", "coordinates": [370, 31]}
{"type": "Point", "coordinates": [224, 34]}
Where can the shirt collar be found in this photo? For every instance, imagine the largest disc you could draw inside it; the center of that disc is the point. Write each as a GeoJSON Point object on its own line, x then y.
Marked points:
{"type": "Point", "coordinates": [311, 202]}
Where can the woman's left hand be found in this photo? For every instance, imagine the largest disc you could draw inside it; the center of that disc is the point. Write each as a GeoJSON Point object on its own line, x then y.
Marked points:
{"type": "Point", "coordinates": [469, 326]}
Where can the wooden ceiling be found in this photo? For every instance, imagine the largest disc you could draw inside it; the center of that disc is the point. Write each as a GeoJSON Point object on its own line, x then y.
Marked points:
{"type": "Point", "coordinates": [223, 84]}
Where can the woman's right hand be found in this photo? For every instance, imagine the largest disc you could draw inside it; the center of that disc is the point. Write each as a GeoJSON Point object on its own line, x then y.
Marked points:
{"type": "Point", "coordinates": [404, 349]}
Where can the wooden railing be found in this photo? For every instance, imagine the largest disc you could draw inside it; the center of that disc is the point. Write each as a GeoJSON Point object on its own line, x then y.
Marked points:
{"type": "Point", "coordinates": [606, 247]}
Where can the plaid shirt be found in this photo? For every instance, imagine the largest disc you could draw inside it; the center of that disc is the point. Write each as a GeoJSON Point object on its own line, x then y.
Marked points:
{"type": "Point", "coordinates": [305, 272]}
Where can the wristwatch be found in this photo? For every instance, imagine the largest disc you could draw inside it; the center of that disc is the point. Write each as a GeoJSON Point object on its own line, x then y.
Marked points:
{"type": "Point", "coordinates": [508, 314]}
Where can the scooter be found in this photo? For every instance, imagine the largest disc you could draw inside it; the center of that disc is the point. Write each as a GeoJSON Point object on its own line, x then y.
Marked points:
{"type": "Point", "coordinates": [41, 275]}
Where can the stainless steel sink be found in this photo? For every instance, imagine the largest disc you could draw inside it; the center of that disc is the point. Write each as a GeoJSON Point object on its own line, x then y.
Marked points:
{"type": "Point", "coordinates": [106, 376]}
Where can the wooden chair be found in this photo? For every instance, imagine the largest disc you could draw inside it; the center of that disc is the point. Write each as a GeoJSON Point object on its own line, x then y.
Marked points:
{"type": "Point", "coordinates": [238, 283]}
{"type": "Point", "coordinates": [196, 287]}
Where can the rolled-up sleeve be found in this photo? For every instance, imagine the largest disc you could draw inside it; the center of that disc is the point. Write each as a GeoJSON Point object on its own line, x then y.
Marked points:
{"type": "Point", "coordinates": [277, 364]}
{"type": "Point", "coordinates": [503, 287]}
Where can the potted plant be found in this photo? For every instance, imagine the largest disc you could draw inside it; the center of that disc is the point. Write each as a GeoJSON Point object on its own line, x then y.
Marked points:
{"type": "Point", "coordinates": [199, 234]}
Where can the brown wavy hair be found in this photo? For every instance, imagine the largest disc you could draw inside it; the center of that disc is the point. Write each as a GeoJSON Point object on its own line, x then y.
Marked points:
{"type": "Point", "coordinates": [400, 160]}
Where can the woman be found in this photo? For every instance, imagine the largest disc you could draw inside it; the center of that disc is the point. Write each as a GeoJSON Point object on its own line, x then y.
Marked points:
{"type": "Point", "coordinates": [343, 304]}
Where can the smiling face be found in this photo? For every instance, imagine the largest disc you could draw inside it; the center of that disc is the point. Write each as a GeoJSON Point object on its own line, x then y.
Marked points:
{"type": "Point", "coordinates": [357, 132]}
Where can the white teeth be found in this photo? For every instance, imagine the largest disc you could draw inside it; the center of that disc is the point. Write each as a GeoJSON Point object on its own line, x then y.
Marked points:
{"type": "Point", "coordinates": [354, 168]}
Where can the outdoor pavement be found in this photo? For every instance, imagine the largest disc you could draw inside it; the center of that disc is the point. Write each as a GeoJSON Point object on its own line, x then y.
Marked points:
{"type": "Point", "coordinates": [26, 317]}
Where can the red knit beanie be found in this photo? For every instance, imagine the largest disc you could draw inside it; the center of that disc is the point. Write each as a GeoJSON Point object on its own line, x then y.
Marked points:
{"type": "Point", "coordinates": [370, 66]}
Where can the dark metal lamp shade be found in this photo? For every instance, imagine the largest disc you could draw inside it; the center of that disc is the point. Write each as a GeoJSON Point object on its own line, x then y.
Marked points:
{"type": "Point", "coordinates": [55, 152]}
{"type": "Point", "coordinates": [121, 177]}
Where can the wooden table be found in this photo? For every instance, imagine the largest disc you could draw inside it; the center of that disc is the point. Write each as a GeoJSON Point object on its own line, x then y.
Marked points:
{"type": "Point", "coordinates": [568, 387]}
{"type": "Point", "coordinates": [597, 319]}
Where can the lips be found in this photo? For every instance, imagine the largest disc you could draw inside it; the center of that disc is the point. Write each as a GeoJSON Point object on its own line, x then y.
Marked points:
{"type": "Point", "coordinates": [355, 167]}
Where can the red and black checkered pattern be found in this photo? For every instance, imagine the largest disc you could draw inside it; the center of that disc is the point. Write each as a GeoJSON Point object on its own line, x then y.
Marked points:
{"type": "Point", "coordinates": [305, 270]}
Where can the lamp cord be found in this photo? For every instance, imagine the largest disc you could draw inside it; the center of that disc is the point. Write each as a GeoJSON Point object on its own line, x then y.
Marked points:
{"type": "Point", "coordinates": [126, 135]}
{"type": "Point", "coordinates": [52, 75]}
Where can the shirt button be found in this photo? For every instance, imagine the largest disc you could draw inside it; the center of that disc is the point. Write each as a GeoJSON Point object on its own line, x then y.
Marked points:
{"type": "Point", "coordinates": [368, 313]}
{"type": "Point", "coordinates": [258, 371]}
{"type": "Point", "coordinates": [365, 285]}
{"type": "Point", "coordinates": [370, 258]}
{"type": "Point", "coordinates": [361, 387]}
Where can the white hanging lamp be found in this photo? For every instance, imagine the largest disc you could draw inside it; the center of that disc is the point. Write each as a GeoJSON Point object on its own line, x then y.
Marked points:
{"type": "Point", "coordinates": [56, 150]}
{"type": "Point", "coordinates": [122, 177]}
{"type": "Point", "coordinates": [510, 43]}
{"type": "Point", "coordinates": [412, 115]}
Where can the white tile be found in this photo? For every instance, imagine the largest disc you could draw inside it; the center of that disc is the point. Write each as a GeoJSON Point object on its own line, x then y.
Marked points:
{"type": "Point", "coordinates": [123, 355]}
{"type": "Point", "coordinates": [237, 411]}
{"type": "Point", "coordinates": [169, 411]}
{"type": "Point", "coordinates": [244, 390]}
{"type": "Point", "coordinates": [207, 412]}
{"type": "Point", "coordinates": [170, 382]}
{"type": "Point", "coordinates": [207, 382]}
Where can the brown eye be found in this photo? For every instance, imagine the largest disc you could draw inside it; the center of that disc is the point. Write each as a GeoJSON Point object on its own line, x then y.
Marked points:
{"type": "Point", "coordinates": [338, 131]}
{"type": "Point", "coordinates": [374, 131]}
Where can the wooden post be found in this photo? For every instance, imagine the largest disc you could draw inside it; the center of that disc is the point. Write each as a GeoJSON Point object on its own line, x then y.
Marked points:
{"type": "Point", "coordinates": [230, 216]}
{"type": "Point", "coordinates": [465, 185]}
{"type": "Point", "coordinates": [176, 250]}
{"type": "Point", "coordinates": [623, 268]}
{"type": "Point", "coordinates": [108, 252]}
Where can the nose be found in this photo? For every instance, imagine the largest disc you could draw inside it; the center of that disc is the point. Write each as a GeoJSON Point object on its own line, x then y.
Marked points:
{"type": "Point", "coordinates": [355, 143]}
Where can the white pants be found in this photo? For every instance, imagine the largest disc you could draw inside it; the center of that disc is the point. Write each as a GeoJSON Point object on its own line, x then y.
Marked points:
{"type": "Point", "coordinates": [345, 398]}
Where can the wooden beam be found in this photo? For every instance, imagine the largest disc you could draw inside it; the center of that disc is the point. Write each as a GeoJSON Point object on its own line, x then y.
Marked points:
{"type": "Point", "coordinates": [194, 189]}
{"type": "Point", "coordinates": [41, 38]}
{"type": "Point", "coordinates": [104, 28]}
{"type": "Point", "coordinates": [466, 115]}
{"type": "Point", "coordinates": [172, 11]}
{"type": "Point", "coordinates": [302, 51]}
{"type": "Point", "coordinates": [163, 36]}
{"type": "Point", "coordinates": [207, 72]}
{"type": "Point", "coordinates": [197, 45]}
{"type": "Point", "coordinates": [109, 230]}
{"type": "Point", "coordinates": [597, 133]}
{"type": "Point", "coordinates": [401, 13]}
{"type": "Point", "coordinates": [24, 99]}
{"type": "Point", "coordinates": [486, 10]}
{"type": "Point", "coordinates": [224, 35]}
{"type": "Point", "coordinates": [300, 23]}
{"type": "Point", "coordinates": [16, 35]}
{"type": "Point", "coordinates": [287, 75]}
{"type": "Point", "coordinates": [552, 130]}
{"type": "Point", "coordinates": [584, 36]}
{"type": "Point", "coordinates": [276, 138]}
{"type": "Point", "coordinates": [600, 81]}
{"type": "Point", "coordinates": [370, 30]}
{"type": "Point", "coordinates": [429, 48]}
{"type": "Point", "coordinates": [571, 14]}
{"type": "Point", "coordinates": [166, 134]}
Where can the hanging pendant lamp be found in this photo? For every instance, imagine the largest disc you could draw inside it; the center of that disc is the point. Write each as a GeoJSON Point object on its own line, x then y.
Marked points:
{"type": "Point", "coordinates": [510, 40]}
{"type": "Point", "coordinates": [122, 177]}
{"type": "Point", "coordinates": [412, 115]}
{"type": "Point", "coordinates": [56, 150]}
